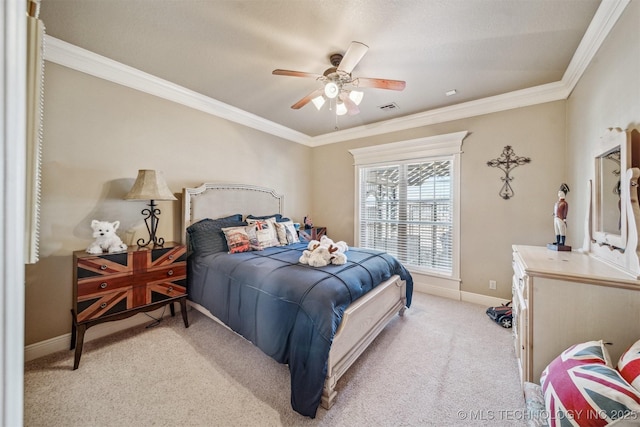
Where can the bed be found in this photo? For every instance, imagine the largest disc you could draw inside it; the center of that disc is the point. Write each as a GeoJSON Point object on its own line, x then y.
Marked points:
{"type": "Point", "coordinates": [318, 320]}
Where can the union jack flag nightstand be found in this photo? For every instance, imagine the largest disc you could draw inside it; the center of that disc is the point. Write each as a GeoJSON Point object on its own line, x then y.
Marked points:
{"type": "Point", "coordinates": [314, 233]}
{"type": "Point", "coordinates": [115, 286]}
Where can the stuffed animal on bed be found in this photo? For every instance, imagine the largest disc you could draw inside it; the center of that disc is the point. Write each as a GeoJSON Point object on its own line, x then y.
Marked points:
{"type": "Point", "coordinates": [306, 254]}
{"type": "Point", "coordinates": [342, 246]}
{"type": "Point", "coordinates": [324, 252]}
{"type": "Point", "coordinates": [106, 238]}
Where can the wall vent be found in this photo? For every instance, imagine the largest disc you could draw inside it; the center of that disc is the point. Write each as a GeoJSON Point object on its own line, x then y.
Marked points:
{"type": "Point", "coordinates": [389, 107]}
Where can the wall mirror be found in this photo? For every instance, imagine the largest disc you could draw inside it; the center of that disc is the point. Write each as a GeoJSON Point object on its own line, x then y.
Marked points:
{"type": "Point", "coordinates": [609, 219]}
{"type": "Point", "coordinates": [615, 210]}
{"type": "Point", "coordinates": [612, 159]}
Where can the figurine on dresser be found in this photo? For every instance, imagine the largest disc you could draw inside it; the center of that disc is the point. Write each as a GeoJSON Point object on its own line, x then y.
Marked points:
{"type": "Point", "coordinates": [560, 210]}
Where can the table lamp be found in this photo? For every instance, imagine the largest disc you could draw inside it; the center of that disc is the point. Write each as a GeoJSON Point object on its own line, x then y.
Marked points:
{"type": "Point", "coordinates": [150, 185]}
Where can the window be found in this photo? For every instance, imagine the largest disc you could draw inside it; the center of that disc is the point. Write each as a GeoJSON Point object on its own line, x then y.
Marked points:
{"type": "Point", "coordinates": [407, 194]}
{"type": "Point", "coordinates": [406, 210]}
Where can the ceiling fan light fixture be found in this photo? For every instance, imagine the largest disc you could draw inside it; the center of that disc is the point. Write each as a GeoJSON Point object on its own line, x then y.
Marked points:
{"type": "Point", "coordinates": [341, 109]}
{"type": "Point", "coordinates": [318, 101]}
{"type": "Point", "coordinates": [331, 90]}
{"type": "Point", "coordinates": [356, 96]}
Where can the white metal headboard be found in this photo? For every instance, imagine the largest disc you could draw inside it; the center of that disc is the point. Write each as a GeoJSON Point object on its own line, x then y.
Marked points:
{"type": "Point", "coordinates": [212, 200]}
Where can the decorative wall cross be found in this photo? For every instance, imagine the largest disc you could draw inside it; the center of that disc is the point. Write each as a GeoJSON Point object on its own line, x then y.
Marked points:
{"type": "Point", "coordinates": [506, 162]}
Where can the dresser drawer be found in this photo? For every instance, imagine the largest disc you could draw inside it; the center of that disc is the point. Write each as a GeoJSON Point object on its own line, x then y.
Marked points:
{"type": "Point", "coordinates": [171, 273]}
{"type": "Point", "coordinates": [101, 265]}
{"type": "Point", "coordinates": [101, 285]}
{"type": "Point", "coordinates": [160, 291]}
{"type": "Point", "coordinates": [91, 307]}
{"type": "Point", "coordinates": [163, 257]}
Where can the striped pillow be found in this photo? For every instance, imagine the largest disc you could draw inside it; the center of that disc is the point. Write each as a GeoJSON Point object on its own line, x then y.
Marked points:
{"type": "Point", "coordinates": [581, 389]}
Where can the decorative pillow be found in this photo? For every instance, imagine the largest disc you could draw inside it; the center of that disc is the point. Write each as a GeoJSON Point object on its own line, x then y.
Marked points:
{"type": "Point", "coordinates": [206, 236]}
{"type": "Point", "coordinates": [629, 365]}
{"type": "Point", "coordinates": [581, 389]}
{"type": "Point", "coordinates": [275, 217]}
{"type": "Point", "coordinates": [278, 217]}
{"type": "Point", "coordinates": [237, 239]}
{"type": "Point", "coordinates": [287, 233]}
{"type": "Point", "coordinates": [265, 231]}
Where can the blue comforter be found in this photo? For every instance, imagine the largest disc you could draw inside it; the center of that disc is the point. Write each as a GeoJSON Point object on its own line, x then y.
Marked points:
{"type": "Point", "coordinates": [291, 311]}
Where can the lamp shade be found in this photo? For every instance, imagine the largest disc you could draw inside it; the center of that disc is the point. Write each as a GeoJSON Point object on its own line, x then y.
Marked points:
{"type": "Point", "coordinates": [150, 185]}
{"type": "Point", "coordinates": [331, 90]}
{"type": "Point", "coordinates": [356, 96]}
{"type": "Point", "coordinates": [318, 101]}
{"type": "Point", "coordinates": [341, 109]}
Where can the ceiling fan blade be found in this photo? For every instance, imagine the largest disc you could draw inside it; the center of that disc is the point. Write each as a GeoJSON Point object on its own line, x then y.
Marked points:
{"type": "Point", "coordinates": [304, 101]}
{"type": "Point", "coordinates": [380, 83]}
{"type": "Point", "coordinates": [279, 72]}
{"type": "Point", "coordinates": [352, 108]}
{"type": "Point", "coordinates": [352, 56]}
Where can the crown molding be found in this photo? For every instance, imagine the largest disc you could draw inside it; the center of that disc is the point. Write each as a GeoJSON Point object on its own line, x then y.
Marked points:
{"type": "Point", "coordinates": [85, 61]}
{"type": "Point", "coordinates": [79, 59]}
{"type": "Point", "coordinates": [603, 21]}
{"type": "Point", "coordinates": [516, 99]}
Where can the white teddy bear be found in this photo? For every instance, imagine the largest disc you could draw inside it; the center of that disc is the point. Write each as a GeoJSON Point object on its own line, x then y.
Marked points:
{"type": "Point", "coordinates": [320, 257]}
{"type": "Point", "coordinates": [324, 252]}
{"type": "Point", "coordinates": [306, 254]}
{"type": "Point", "coordinates": [342, 246]}
{"type": "Point", "coordinates": [106, 238]}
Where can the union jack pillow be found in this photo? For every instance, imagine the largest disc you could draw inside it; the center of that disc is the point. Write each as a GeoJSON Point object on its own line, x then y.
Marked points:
{"type": "Point", "coordinates": [265, 231]}
{"type": "Point", "coordinates": [629, 365]}
{"type": "Point", "coordinates": [580, 389]}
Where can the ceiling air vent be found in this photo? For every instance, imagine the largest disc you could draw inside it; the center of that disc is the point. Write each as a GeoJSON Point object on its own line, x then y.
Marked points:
{"type": "Point", "coordinates": [389, 107]}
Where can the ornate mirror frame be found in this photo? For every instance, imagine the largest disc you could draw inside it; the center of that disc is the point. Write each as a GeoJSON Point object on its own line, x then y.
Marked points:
{"type": "Point", "coordinates": [614, 213]}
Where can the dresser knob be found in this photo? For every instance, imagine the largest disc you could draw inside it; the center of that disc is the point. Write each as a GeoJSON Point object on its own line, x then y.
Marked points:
{"type": "Point", "coordinates": [171, 257]}
{"type": "Point", "coordinates": [170, 289]}
{"type": "Point", "coordinates": [103, 267]}
{"type": "Point", "coordinates": [170, 273]}
{"type": "Point", "coordinates": [103, 285]}
{"type": "Point", "coordinates": [103, 305]}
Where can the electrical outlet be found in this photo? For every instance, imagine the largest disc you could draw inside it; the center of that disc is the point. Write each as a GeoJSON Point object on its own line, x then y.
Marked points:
{"type": "Point", "coordinates": [492, 284]}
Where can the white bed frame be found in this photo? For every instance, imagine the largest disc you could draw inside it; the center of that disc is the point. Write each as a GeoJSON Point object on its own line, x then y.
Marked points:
{"type": "Point", "coordinates": [362, 321]}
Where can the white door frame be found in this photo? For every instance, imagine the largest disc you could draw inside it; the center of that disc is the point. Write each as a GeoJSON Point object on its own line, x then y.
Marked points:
{"type": "Point", "coordinates": [12, 208]}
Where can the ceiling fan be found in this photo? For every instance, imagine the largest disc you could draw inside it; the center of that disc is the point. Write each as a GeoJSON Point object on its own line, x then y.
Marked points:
{"type": "Point", "coordinates": [339, 84]}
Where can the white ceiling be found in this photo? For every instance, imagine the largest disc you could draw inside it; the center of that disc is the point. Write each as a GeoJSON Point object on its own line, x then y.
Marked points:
{"type": "Point", "coordinates": [227, 49]}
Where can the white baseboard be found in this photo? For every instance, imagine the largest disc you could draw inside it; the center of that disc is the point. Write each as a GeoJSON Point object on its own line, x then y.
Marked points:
{"type": "Point", "coordinates": [437, 290]}
{"type": "Point", "coordinates": [459, 295]}
{"type": "Point", "coordinates": [485, 300]}
{"type": "Point", "coordinates": [63, 342]}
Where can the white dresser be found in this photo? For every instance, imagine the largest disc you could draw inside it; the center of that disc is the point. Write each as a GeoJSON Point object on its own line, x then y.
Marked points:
{"type": "Point", "coordinates": [565, 298]}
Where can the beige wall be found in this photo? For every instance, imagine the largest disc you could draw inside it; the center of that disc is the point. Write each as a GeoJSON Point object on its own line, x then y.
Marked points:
{"type": "Point", "coordinates": [608, 95]}
{"type": "Point", "coordinates": [489, 224]}
{"type": "Point", "coordinates": [96, 136]}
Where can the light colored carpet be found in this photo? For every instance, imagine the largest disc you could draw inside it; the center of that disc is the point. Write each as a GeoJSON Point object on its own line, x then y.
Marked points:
{"type": "Point", "coordinates": [444, 364]}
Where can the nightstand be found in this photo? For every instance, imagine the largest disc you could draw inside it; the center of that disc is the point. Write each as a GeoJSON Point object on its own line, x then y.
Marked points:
{"type": "Point", "coordinates": [314, 233]}
{"type": "Point", "coordinates": [115, 286]}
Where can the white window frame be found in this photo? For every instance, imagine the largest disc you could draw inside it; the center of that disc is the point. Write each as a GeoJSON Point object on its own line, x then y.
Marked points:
{"type": "Point", "coordinates": [416, 150]}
